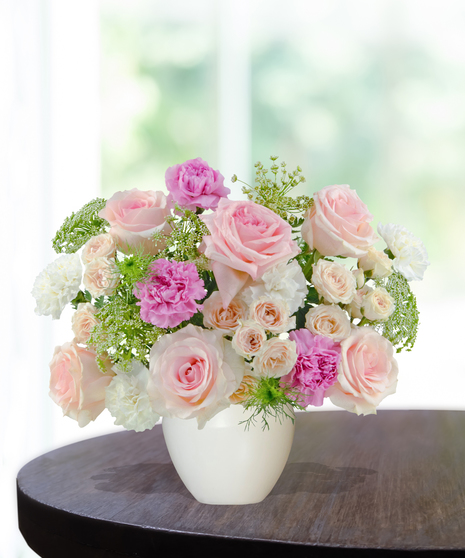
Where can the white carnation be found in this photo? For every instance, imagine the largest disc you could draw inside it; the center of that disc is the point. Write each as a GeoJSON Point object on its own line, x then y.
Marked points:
{"type": "Point", "coordinates": [410, 256]}
{"type": "Point", "coordinates": [283, 282]}
{"type": "Point", "coordinates": [127, 399]}
{"type": "Point", "coordinates": [57, 285]}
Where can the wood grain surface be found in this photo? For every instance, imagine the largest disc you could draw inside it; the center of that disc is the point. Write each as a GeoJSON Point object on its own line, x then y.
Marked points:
{"type": "Point", "coordinates": [386, 485]}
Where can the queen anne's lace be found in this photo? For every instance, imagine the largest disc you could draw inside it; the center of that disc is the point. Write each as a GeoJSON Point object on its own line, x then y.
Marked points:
{"type": "Point", "coordinates": [402, 326]}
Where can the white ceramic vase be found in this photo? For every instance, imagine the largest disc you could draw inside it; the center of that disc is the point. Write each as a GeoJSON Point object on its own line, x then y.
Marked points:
{"type": "Point", "coordinates": [225, 464]}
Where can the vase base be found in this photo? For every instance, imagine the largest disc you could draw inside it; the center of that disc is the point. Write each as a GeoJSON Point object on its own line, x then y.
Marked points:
{"type": "Point", "coordinates": [225, 464]}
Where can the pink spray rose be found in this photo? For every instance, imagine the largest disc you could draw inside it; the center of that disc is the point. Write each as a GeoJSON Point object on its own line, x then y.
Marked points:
{"type": "Point", "coordinates": [193, 372]}
{"type": "Point", "coordinates": [101, 277]}
{"type": "Point", "coordinates": [83, 321]}
{"type": "Point", "coordinates": [246, 240]}
{"type": "Point", "coordinates": [195, 184]}
{"type": "Point", "coordinates": [316, 367]}
{"type": "Point", "coordinates": [101, 246]}
{"type": "Point", "coordinates": [77, 384]}
{"type": "Point", "coordinates": [338, 223]}
{"type": "Point", "coordinates": [368, 372]}
{"type": "Point", "coordinates": [134, 217]}
{"type": "Point", "coordinates": [168, 296]}
{"type": "Point", "coordinates": [224, 319]}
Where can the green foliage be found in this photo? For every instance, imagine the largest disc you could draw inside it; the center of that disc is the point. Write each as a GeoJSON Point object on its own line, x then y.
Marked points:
{"type": "Point", "coordinates": [122, 335]}
{"type": "Point", "coordinates": [272, 192]}
{"type": "Point", "coordinates": [81, 297]}
{"type": "Point", "coordinates": [402, 326]}
{"type": "Point", "coordinates": [269, 399]}
{"type": "Point", "coordinates": [133, 269]}
{"type": "Point", "coordinates": [306, 261]}
{"type": "Point", "coordinates": [187, 233]}
{"type": "Point", "coordinates": [209, 282]}
{"type": "Point", "coordinates": [80, 227]}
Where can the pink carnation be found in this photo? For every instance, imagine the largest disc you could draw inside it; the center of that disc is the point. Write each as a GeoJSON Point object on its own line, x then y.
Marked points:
{"type": "Point", "coordinates": [195, 184]}
{"type": "Point", "coordinates": [169, 295]}
{"type": "Point", "coordinates": [316, 367]}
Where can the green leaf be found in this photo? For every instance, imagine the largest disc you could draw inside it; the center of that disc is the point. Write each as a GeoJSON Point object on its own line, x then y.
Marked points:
{"type": "Point", "coordinates": [300, 316]}
{"type": "Point", "coordinates": [312, 297]}
{"type": "Point", "coordinates": [80, 297]}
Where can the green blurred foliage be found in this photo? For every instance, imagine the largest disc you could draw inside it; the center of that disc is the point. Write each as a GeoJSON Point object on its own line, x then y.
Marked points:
{"type": "Point", "coordinates": [366, 94]}
{"type": "Point", "coordinates": [158, 102]}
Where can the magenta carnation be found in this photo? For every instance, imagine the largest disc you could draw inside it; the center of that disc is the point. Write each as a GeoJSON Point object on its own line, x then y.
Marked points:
{"type": "Point", "coordinates": [195, 184]}
{"type": "Point", "coordinates": [168, 296]}
{"type": "Point", "coordinates": [316, 367]}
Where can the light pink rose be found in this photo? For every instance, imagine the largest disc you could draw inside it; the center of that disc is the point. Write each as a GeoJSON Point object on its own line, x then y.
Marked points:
{"type": "Point", "coordinates": [328, 320]}
{"type": "Point", "coordinates": [249, 339]}
{"type": "Point", "coordinates": [223, 319]}
{"type": "Point", "coordinates": [357, 302]}
{"type": "Point", "coordinates": [134, 217]}
{"type": "Point", "coordinates": [246, 240]}
{"type": "Point", "coordinates": [276, 359]}
{"type": "Point", "coordinates": [83, 321]}
{"type": "Point", "coordinates": [271, 314]}
{"type": "Point", "coordinates": [368, 372]}
{"type": "Point", "coordinates": [101, 246]}
{"type": "Point", "coordinates": [377, 262]}
{"type": "Point", "coordinates": [359, 277]}
{"type": "Point", "coordinates": [193, 372]}
{"type": "Point", "coordinates": [241, 394]}
{"type": "Point", "coordinates": [378, 305]}
{"type": "Point", "coordinates": [334, 282]}
{"type": "Point", "coordinates": [77, 384]}
{"type": "Point", "coordinates": [338, 223]}
{"type": "Point", "coordinates": [101, 277]}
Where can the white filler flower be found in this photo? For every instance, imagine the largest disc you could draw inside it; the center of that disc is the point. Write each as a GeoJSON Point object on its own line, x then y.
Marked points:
{"type": "Point", "coordinates": [283, 282]}
{"type": "Point", "coordinates": [127, 399]}
{"type": "Point", "coordinates": [57, 285]}
{"type": "Point", "coordinates": [410, 256]}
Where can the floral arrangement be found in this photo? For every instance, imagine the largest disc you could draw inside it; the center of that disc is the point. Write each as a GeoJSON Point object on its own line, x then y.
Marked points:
{"type": "Point", "coordinates": [188, 303]}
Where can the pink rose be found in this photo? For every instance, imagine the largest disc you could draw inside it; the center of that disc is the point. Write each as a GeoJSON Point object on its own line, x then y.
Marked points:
{"type": "Point", "coordinates": [246, 240]}
{"type": "Point", "coordinates": [134, 217]}
{"type": "Point", "coordinates": [194, 184]}
{"type": "Point", "coordinates": [83, 321]}
{"type": "Point", "coordinates": [77, 384]}
{"type": "Point", "coordinates": [338, 223]}
{"type": "Point", "coordinates": [224, 319]}
{"type": "Point", "coordinates": [368, 372]}
{"type": "Point", "coordinates": [193, 372]}
{"type": "Point", "coordinates": [101, 246]}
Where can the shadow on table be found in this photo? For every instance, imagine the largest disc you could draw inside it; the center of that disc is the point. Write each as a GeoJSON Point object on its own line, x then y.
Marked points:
{"type": "Point", "coordinates": [162, 478]}
{"type": "Point", "coordinates": [316, 478]}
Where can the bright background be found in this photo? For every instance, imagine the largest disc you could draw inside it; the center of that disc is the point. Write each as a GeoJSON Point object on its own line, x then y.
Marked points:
{"type": "Point", "coordinates": [97, 97]}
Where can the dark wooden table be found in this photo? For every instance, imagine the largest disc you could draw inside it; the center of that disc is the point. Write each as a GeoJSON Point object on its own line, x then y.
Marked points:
{"type": "Point", "coordinates": [384, 485]}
